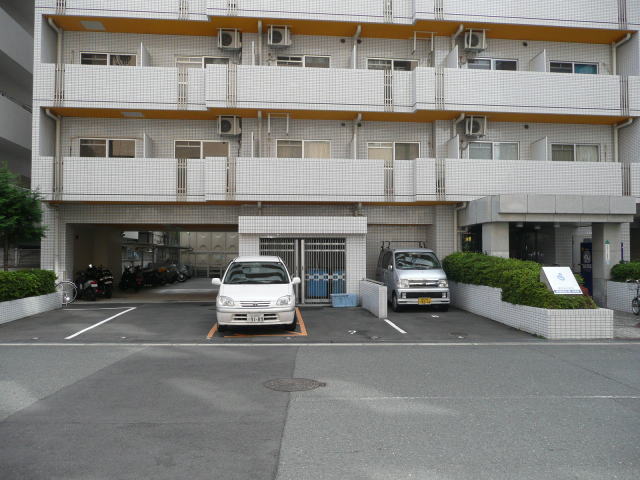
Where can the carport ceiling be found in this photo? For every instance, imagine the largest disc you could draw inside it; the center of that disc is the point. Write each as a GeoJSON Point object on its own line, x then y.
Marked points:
{"type": "Point", "coordinates": [158, 227]}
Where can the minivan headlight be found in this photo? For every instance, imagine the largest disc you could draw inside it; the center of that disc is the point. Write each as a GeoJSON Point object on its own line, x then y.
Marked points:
{"type": "Point", "coordinates": [403, 283]}
{"type": "Point", "coordinates": [225, 301]}
{"type": "Point", "coordinates": [443, 283]}
{"type": "Point", "coordinates": [286, 300]}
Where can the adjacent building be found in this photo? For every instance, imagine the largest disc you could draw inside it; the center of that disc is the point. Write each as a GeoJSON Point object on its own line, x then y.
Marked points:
{"type": "Point", "coordinates": [319, 130]}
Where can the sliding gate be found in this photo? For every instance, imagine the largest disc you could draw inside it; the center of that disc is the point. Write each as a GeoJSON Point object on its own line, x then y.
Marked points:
{"type": "Point", "coordinates": [319, 262]}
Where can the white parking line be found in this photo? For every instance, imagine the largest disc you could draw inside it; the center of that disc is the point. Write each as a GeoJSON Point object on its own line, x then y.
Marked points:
{"type": "Point", "coordinates": [395, 326]}
{"type": "Point", "coordinates": [89, 309]}
{"type": "Point", "coordinates": [99, 323]}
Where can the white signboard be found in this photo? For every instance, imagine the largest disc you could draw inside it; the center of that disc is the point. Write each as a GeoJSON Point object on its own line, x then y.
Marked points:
{"type": "Point", "coordinates": [560, 280]}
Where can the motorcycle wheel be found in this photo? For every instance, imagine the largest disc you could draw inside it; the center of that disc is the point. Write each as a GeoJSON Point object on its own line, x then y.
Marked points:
{"type": "Point", "coordinates": [182, 278]}
{"type": "Point", "coordinates": [108, 293]}
{"type": "Point", "coordinates": [90, 294]}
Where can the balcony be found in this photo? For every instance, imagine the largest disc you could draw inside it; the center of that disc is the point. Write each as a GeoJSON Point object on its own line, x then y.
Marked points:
{"type": "Point", "coordinates": [286, 88]}
{"type": "Point", "coordinates": [634, 96]}
{"type": "Point", "coordinates": [531, 92]}
{"type": "Point", "coordinates": [156, 9]}
{"type": "Point", "coordinates": [15, 123]}
{"type": "Point", "coordinates": [319, 180]}
{"type": "Point", "coordinates": [139, 88]}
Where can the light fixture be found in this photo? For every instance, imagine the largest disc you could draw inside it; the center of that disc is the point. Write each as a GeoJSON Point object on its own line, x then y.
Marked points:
{"type": "Point", "coordinates": [92, 25]}
{"type": "Point", "coordinates": [133, 114]}
{"type": "Point", "coordinates": [537, 227]}
{"type": "Point", "coordinates": [556, 225]}
{"type": "Point", "coordinates": [519, 225]}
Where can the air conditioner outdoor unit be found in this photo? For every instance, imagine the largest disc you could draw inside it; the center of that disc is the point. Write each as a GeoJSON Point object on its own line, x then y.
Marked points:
{"type": "Point", "coordinates": [475, 126]}
{"type": "Point", "coordinates": [475, 40]}
{"type": "Point", "coordinates": [229, 125]}
{"type": "Point", "coordinates": [278, 36]}
{"type": "Point", "coordinates": [229, 39]}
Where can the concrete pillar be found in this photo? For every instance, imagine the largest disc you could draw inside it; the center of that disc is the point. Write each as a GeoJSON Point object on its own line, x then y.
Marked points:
{"type": "Point", "coordinates": [53, 249]}
{"type": "Point", "coordinates": [606, 253]}
{"type": "Point", "coordinates": [443, 230]}
{"type": "Point", "coordinates": [495, 239]}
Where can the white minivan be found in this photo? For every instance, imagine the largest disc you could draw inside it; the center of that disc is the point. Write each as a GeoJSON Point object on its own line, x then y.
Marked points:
{"type": "Point", "coordinates": [256, 291]}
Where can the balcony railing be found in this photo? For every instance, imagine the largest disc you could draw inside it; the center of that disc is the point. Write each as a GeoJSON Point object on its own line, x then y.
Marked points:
{"type": "Point", "coordinates": [320, 180]}
{"type": "Point", "coordinates": [335, 89]}
{"type": "Point", "coordinates": [609, 14]}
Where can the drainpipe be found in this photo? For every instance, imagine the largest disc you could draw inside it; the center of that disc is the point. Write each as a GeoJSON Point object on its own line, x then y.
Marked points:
{"type": "Point", "coordinates": [58, 31]}
{"type": "Point", "coordinates": [356, 36]}
{"type": "Point", "coordinates": [614, 53]}
{"type": "Point", "coordinates": [259, 149]}
{"type": "Point", "coordinates": [259, 42]}
{"type": "Point", "coordinates": [57, 151]}
{"type": "Point", "coordinates": [354, 139]}
{"type": "Point", "coordinates": [455, 224]}
{"type": "Point", "coordinates": [616, 147]}
{"type": "Point", "coordinates": [455, 35]}
{"type": "Point", "coordinates": [455, 124]}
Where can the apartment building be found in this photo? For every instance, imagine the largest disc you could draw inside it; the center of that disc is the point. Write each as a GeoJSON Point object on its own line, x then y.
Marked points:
{"type": "Point", "coordinates": [16, 78]}
{"type": "Point", "coordinates": [319, 130]}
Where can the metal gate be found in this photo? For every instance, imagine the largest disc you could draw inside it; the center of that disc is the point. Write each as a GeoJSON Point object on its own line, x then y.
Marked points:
{"type": "Point", "coordinates": [319, 262]}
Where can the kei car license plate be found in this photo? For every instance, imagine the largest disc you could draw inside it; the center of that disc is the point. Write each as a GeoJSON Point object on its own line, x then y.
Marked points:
{"type": "Point", "coordinates": [255, 318]}
{"type": "Point", "coordinates": [424, 301]}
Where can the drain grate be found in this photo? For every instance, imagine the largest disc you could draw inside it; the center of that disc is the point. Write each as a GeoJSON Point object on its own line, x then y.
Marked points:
{"type": "Point", "coordinates": [293, 384]}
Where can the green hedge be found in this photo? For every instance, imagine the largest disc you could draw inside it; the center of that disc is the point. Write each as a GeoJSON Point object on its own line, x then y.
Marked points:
{"type": "Point", "coordinates": [625, 271]}
{"type": "Point", "coordinates": [518, 279]}
{"type": "Point", "coordinates": [26, 283]}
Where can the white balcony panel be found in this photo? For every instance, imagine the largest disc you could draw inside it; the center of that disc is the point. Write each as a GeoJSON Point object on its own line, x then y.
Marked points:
{"type": "Point", "coordinates": [129, 88]}
{"type": "Point", "coordinates": [158, 9]}
{"type": "Point", "coordinates": [291, 88]}
{"type": "Point", "coordinates": [425, 179]}
{"type": "Point", "coordinates": [42, 175]}
{"type": "Point", "coordinates": [531, 92]}
{"type": "Point", "coordinates": [335, 10]}
{"type": "Point", "coordinates": [634, 96]}
{"type": "Point", "coordinates": [635, 179]}
{"type": "Point", "coordinates": [15, 123]}
{"type": "Point", "coordinates": [404, 180]}
{"type": "Point", "coordinates": [404, 91]}
{"type": "Point", "coordinates": [216, 85]}
{"type": "Point", "coordinates": [215, 178]}
{"type": "Point", "coordinates": [470, 179]}
{"type": "Point", "coordinates": [15, 42]}
{"type": "Point", "coordinates": [572, 13]}
{"type": "Point", "coordinates": [309, 180]}
{"type": "Point", "coordinates": [425, 88]}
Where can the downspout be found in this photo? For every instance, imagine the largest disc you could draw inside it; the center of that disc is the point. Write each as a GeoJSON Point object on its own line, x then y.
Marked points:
{"type": "Point", "coordinates": [57, 171]}
{"type": "Point", "coordinates": [616, 147]}
{"type": "Point", "coordinates": [455, 124]}
{"type": "Point", "coordinates": [614, 53]}
{"type": "Point", "coordinates": [455, 224]}
{"type": "Point", "coordinates": [259, 61]}
{"type": "Point", "coordinates": [57, 151]}
{"type": "Point", "coordinates": [356, 37]}
{"type": "Point", "coordinates": [259, 149]}
{"type": "Point", "coordinates": [455, 35]}
{"type": "Point", "coordinates": [354, 138]}
{"type": "Point", "coordinates": [58, 31]}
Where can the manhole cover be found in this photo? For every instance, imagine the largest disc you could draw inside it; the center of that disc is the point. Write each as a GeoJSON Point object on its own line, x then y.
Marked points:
{"type": "Point", "coordinates": [293, 384]}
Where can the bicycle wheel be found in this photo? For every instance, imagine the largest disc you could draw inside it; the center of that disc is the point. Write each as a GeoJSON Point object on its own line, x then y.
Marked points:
{"type": "Point", "coordinates": [635, 306]}
{"type": "Point", "coordinates": [69, 291]}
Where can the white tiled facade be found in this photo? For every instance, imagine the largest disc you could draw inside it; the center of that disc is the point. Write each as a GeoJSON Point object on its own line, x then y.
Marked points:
{"type": "Point", "coordinates": [155, 103]}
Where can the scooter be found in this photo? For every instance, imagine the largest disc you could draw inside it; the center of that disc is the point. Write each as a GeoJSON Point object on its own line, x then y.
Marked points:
{"type": "Point", "coordinates": [129, 280]}
{"type": "Point", "coordinates": [87, 287]}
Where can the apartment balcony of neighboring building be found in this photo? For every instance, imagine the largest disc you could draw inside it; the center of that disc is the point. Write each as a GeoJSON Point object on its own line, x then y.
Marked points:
{"type": "Point", "coordinates": [609, 14]}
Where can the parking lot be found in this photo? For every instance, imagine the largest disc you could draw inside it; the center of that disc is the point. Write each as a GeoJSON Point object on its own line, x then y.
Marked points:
{"type": "Point", "coordinates": [195, 322]}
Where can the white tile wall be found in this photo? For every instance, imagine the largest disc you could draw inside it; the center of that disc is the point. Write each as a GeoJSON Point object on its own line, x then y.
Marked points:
{"type": "Point", "coordinates": [25, 307]}
{"type": "Point", "coordinates": [620, 295]}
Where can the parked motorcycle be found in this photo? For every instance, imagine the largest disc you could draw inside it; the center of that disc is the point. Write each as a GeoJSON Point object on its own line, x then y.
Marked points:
{"type": "Point", "coordinates": [184, 273]}
{"type": "Point", "coordinates": [131, 278]}
{"type": "Point", "coordinates": [104, 279]}
{"type": "Point", "coordinates": [87, 287]}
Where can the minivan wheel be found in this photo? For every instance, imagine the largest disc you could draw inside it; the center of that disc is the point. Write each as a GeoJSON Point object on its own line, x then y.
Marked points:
{"type": "Point", "coordinates": [395, 306]}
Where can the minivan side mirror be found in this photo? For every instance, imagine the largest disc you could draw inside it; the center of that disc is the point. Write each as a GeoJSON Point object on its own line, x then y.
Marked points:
{"type": "Point", "coordinates": [216, 282]}
{"type": "Point", "coordinates": [295, 281]}
{"type": "Point", "coordinates": [390, 267]}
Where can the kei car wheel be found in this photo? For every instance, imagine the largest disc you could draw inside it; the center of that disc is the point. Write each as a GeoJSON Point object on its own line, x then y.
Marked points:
{"type": "Point", "coordinates": [395, 306]}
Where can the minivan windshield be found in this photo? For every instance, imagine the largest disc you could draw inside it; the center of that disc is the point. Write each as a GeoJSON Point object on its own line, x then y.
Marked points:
{"type": "Point", "coordinates": [256, 273]}
{"type": "Point", "coordinates": [416, 261]}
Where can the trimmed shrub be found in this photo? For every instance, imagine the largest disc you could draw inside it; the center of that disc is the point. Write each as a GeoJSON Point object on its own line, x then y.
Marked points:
{"type": "Point", "coordinates": [518, 279]}
{"type": "Point", "coordinates": [26, 283]}
{"type": "Point", "coordinates": [625, 271]}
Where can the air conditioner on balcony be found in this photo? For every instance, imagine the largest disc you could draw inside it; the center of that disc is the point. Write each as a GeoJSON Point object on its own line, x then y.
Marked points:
{"type": "Point", "coordinates": [229, 125]}
{"type": "Point", "coordinates": [278, 36]}
{"type": "Point", "coordinates": [229, 39]}
{"type": "Point", "coordinates": [475, 40]}
{"type": "Point", "coordinates": [475, 126]}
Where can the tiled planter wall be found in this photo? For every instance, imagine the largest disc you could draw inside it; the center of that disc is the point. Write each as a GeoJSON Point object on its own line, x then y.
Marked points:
{"type": "Point", "coordinates": [24, 307]}
{"type": "Point", "coordinates": [619, 296]}
{"type": "Point", "coordinates": [551, 324]}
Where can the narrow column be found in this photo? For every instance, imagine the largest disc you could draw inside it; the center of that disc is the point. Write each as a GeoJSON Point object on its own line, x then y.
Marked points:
{"type": "Point", "coordinates": [495, 239]}
{"type": "Point", "coordinates": [606, 253]}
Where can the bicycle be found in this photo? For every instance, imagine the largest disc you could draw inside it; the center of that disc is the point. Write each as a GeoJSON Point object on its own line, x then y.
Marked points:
{"type": "Point", "coordinates": [69, 291]}
{"type": "Point", "coordinates": [635, 303]}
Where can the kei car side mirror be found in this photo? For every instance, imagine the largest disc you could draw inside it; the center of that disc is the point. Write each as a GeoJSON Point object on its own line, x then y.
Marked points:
{"type": "Point", "coordinates": [390, 267]}
{"type": "Point", "coordinates": [295, 281]}
{"type": "Point", "coordinates": [216, 282]}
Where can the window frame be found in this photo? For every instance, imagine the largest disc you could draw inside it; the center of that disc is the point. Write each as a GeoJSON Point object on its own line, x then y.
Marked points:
{"type": "Point", "coordinates": [493, 64]}
{"type": "Point", "coordinates": [201, 142]}
{"type": "Point", "coordinates": [106, 145]}
{"type": "Point", "coordinates": [393, 61]}
{"type": "Point", "coordinates": [201, 58]}
{"type": "Point", "coordinates": [303, 145]}
{"type": "Point", "coordinates": [575, 151]}
{"type": "Point", "coordinates": [573, 66]}
{"type": "Point", "coordinates": [108, 54]}
{"type": "Point", "coordinates": [393, 147]}
{"type": "Point", "coordinates": [303, 60]}
{"type": "Point", "coordinates": [493, 150]}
